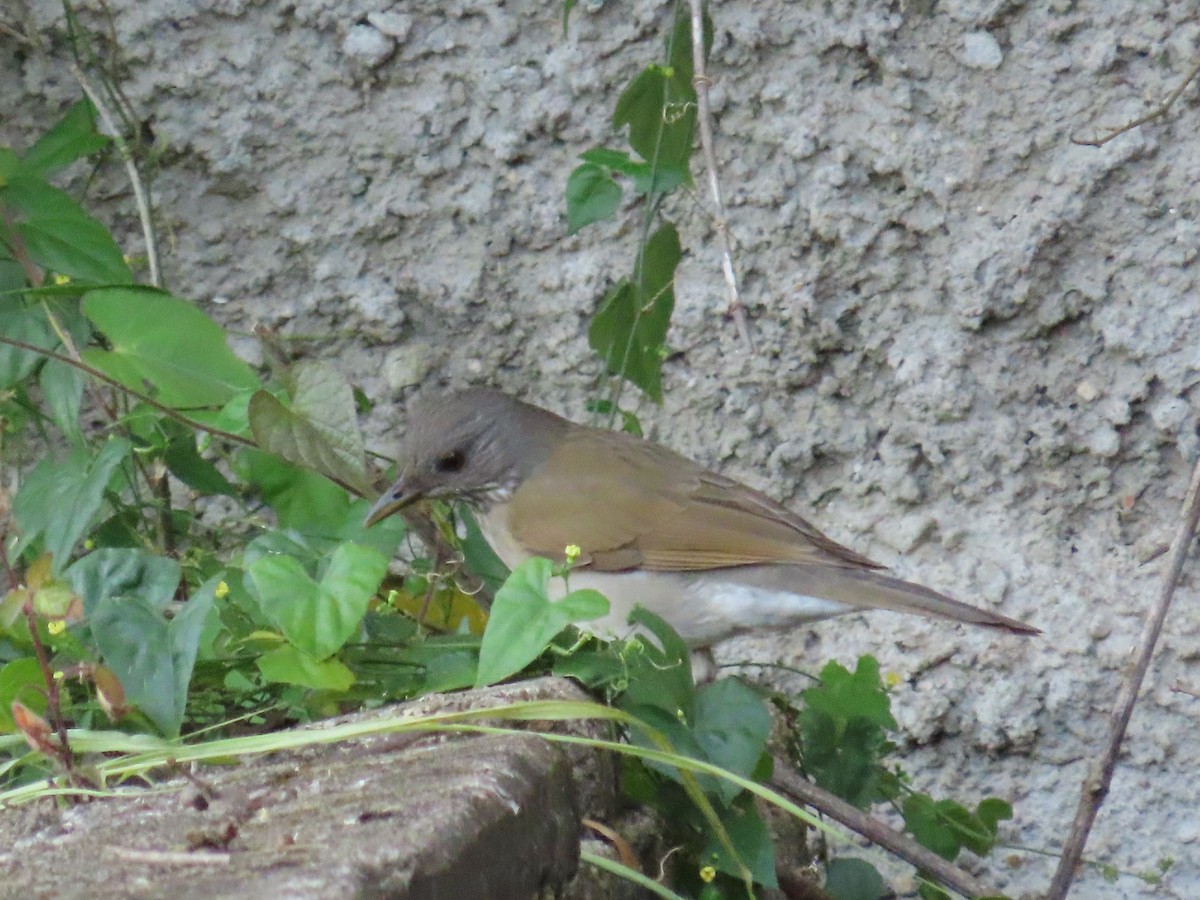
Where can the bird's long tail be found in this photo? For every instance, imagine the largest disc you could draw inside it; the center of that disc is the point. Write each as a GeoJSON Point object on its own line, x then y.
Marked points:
{"type": "Point", "coordinates": [865, 588]}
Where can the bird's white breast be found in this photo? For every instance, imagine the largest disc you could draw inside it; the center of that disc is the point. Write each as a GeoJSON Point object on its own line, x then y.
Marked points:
{"type": "Point", "coordinates": [702, 607]}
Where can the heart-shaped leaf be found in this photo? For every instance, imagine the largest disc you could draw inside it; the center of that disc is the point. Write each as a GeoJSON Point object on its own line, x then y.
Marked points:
{"type": "Point", "coordinates": [164, 346]}
{"type": "Point", "coordinates": [291, 665]}
{"type": "Point", "coordinates": [524, 620]}
{"type": "Point", "coordinates": [59, 498]}
{"type": "Point", "coordinates": [120, 571]}
{"type": "Point", "coordinates": [319, 430]}
{"type": "Point", "coordinates": [318, 618]}
{"type": "Point", "coordinates": [151, 656]}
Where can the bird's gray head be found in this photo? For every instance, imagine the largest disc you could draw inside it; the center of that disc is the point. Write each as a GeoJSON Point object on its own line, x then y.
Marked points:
{"type": "Point", "coordinates": [474, 445]}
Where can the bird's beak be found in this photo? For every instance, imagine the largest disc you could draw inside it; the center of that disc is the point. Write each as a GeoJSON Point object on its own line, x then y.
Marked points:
{"type": "Point", "coordinates": [392, 500]}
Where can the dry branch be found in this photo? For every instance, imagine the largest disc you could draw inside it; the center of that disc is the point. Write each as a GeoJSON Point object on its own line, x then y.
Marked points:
{"type": "Point", "coordinates": [1095, 786]}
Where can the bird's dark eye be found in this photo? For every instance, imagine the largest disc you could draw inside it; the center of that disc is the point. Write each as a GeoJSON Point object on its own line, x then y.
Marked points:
{"type": "Point", "coordinates": [452, 461]}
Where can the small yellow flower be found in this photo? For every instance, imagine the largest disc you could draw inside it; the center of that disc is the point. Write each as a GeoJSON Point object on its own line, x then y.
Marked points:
{"type": "Point", "coordinates": [56, 627]}
{"type": "Point", "coordinates": [222, 590]}
{"type": "Point", "coordinates": [62, 279]}
{"type": "Point", "coordinates": [891, 679]}
{"type": "Point", "coordinates": [707, 874]}
{"type": "Point", "coordinates": [572, 552]}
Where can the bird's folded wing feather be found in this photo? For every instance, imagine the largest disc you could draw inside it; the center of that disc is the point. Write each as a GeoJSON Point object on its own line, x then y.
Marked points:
{"type": "Point", "coordinates": [630, 504]}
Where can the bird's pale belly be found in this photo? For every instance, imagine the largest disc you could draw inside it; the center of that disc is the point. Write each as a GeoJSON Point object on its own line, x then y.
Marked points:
{"type": "Point", "coordinates": [702, 606]}
{"type": "Point", "coordinates": [703, 611]}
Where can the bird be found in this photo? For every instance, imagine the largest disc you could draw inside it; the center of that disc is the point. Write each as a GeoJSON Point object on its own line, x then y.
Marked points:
{"type": "Point", "coordinates": [712, 557]}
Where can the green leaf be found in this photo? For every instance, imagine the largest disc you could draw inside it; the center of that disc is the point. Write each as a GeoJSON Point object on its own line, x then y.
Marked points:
{"type": "Point", "coordinates": [732, 725]}
{"type": "Point", "coordinates": [678, 732]}
{"type": "Point", "coordinates": [60, 236]}
{"type": "Point", "coordinates": [661, 675]}
{"type": "Point", "coordinates": [944, 826]}
{"type": "Point", "coordinates": [630, 328]}
{"type": "Point", "coordinates": [319, 431]}
{"type": "Point", "coordinates": [858, 695]}
{"type": "Point", "coordinates": [991, 811]}
{"type": "Point", "coordinates": [592, 196]}
{"type": "Point", "coordinates": [10, 164]}
{"type": "Point", "coordinates": [971, 832]}
{"type": "Point", "coordinates": [318, 618]}
{"type": "Point", "coordinates": [72, 138]}
{"type": "Point", "coordinates": [853, 879]}
{"type": "Point", "coordinates": [927, 890]}
{"type": "Point", "coordinates": [630, 423]}
{"type": "Point", "coordinates": [752, 841]}
{"type": "Point", "coordinates": [62, 389]}
{"type": "Point", "coordinates": [301, 499]}
{"type": "Point", "coordinates": [593, 667]}
{"type": "Point", "coordinates": [21, 680]}
{"type": "Point", "coordinates": [124, 572]}
{"type": "Point", "coordinates": [165, 346]}
{"type": "Point", "coordinates": [661, 119]}
{"type": "Point", "coordinates": [233, 417]}
{"type": "Point", "coordinates": [151, 656]}
{"type": "Point", "coordinates": [524, 620]}
{"type": "Point", "coordinates": [842, 757]}
{"type": "Point", "coordinates": [384, 537]}
{"type": "Point", "coordinates": [26, 323]}
{"type": "Point", "coordinates": [843, 731]}
{"type": "Point", "coordinates": [449, 670]}
{"type": "Point", "coordinates": [291, 665]}
{"type": "Point", "coordinates": [480, 558]}
{"type": "Point", "coordinates": [59, 499]}
{"type": "Point", "coordinates": [659, 106]}
{"type": "Point", "coordinates": [32, 197]}
{"type": "Point", "coordinates": [185, 463]}
{"type": "Point", "coordinates": [615, 160]}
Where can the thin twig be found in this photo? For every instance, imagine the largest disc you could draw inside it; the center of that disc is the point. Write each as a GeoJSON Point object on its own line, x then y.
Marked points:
{"type": "Point", "coordinates": [141, 195]}
{"type": "Point", "coordinates": [1157, 113]}
{"type": "Point", "coordinates": [1095, 786]}
{"type": "Point", "coordinates": [53, 696]}
{"type": "Point", "coordinates": [161, 407]}
{"type": "Point", "coordinates": [704, 119]}
{"type": "Point", "coordinates": [136, 395]}
{"type": "Point", "coordinates": [787, 780]}
{"type": "Point", "coordinates": [170, 857]}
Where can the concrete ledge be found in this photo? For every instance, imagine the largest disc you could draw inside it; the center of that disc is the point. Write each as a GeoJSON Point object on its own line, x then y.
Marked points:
{"type": "Point", "coordinates": [421, 816]}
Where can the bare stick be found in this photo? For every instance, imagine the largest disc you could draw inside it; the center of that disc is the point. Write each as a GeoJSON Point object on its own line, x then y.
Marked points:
{"type": "Point", "coordinates": [170, 857]}
{"type": "Point", "coordinates": [704, 118]}
{"type": "Point", "coordinates": [1095, 786]}
{"type": "Point", "coordinates": [140, 193]}
{"type": "Point", "coordinates": [787, 780]}
{"type": "Point", "coordinates": [1157, 113]}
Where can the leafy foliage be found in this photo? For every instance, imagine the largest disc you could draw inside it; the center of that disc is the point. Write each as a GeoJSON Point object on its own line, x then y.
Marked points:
{"type": "Point", "coordinates": [658, 108]}
{"type": "Point", "coordinates": [843, 730]}
{"type": "Point", "coordinates": [120, 571]}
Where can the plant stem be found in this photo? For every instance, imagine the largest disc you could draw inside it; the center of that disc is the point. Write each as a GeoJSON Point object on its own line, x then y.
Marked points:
{"type": "Point", "coordinates": [790, 782]}
{"type": "Point", "coordinates": [704, 119]}
{"type": "Point", "coordinates": [1096, 785]}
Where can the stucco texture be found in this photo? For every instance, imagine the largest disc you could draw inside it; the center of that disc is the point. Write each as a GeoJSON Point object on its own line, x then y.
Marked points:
{"type": "Point", "coordinates": [977, 344]}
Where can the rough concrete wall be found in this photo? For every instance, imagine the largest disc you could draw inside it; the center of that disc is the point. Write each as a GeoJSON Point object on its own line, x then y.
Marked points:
{"type": "Point", "coordinates": [977, 342]}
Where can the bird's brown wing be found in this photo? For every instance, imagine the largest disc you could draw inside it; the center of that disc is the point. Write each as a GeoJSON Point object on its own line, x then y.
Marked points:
{"type": "Point", "coordinates": [631, 504]}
